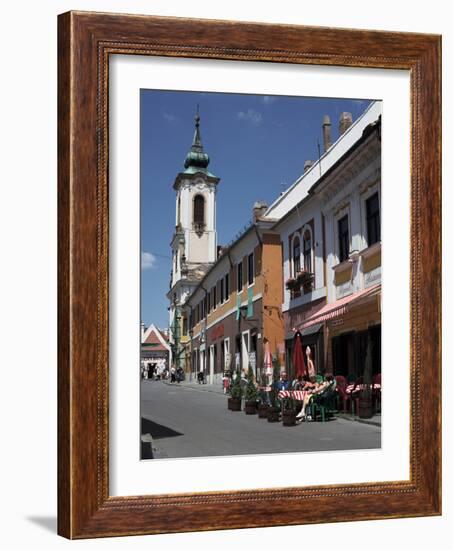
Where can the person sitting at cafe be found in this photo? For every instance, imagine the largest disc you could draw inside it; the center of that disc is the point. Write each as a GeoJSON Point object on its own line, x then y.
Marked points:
{"type": "Point", "coordinates": [316, 389]}
{"type": "Point", "coordinates": [298, 383]}
{"type": "Point", "coordinates": [309, 383]}
{"type": "Point", "coordinates": [283, 383]}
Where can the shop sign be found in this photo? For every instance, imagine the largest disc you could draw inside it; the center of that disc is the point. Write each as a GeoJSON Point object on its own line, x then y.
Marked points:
{"type": "Point", "coordinates": [218, 331]}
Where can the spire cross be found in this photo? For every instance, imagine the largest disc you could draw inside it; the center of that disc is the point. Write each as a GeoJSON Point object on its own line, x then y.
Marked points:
{"type": "Point", "coordinates": [197, 116]}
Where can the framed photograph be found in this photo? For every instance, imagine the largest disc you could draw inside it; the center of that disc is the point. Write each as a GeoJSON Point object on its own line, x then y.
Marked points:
{"type": "Point", "coordinates": [249, 275]}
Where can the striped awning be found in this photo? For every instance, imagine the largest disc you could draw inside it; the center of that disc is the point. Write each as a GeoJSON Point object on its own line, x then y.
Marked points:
{"type": "Point", "coordinates": [338, 308]}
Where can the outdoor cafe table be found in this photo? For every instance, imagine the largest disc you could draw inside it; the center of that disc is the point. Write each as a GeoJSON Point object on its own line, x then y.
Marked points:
{"type": "Point", "coordinates": [298, 395]}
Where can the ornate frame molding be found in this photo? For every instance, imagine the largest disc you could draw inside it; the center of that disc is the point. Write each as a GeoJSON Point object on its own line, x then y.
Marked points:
{"type": "Point", "coordinates": [86, 40]}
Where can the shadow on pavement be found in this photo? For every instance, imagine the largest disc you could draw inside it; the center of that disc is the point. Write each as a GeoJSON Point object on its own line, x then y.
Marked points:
{"type": "Point", "coordinates": [158, 431]}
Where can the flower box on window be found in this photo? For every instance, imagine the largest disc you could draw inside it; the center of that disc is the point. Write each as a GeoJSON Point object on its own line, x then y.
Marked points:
{"type": "Point", "coordinates": [305, 279]}
{"type": "Point", "coordinates": [292, 284]}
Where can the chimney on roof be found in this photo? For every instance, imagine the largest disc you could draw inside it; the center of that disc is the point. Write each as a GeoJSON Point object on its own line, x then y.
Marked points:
{"type": "Point", "coordinates": [307, 165]}
{"type": "Point", "coordinates": [142, 330]}
{"type": "Point", "coordinates": [326, 132]}
{"type": "Point", "coordinates": [345, 122]}
{"type": "Point", "coordinates": [259, 209]}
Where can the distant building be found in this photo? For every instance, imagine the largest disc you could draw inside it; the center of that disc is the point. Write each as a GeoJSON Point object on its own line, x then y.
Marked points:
{"type": "Point", "coordinates": [155, 348]}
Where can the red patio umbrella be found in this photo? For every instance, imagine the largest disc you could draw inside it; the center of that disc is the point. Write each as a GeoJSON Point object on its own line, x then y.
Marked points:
{"type": "Point", "coordinates": [300, 368]}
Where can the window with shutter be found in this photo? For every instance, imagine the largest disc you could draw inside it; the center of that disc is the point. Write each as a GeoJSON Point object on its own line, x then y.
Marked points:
{"type": "Point", "coordinates": [227, 286]}
{"type": "Point", "coordinates": [239, 277]}
{"type": "Point", "coordinates": [373, 219]}
{"type": "Point", "coordinates": [343, 238]}
{"type": "Point", "coordinates": [296, 256]}
{"type": "Point", "coordinates": [307, 251]}
{"type": "Point", "coordinates": [251, 271]}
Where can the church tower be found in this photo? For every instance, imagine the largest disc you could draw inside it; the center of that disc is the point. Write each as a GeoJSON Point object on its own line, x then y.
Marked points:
{"type": "Point", "coordinates": [194, 242]}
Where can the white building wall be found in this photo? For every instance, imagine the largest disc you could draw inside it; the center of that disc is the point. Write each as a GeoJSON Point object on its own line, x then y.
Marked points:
{"type": "Point", "coordinates": [330, 257]}
{"type": "Point", "coordinates": [296, 222]}
{"type": "Point", "coordinates": [344, 192]}
{"type": "Point", "coordinates": [348, 197]}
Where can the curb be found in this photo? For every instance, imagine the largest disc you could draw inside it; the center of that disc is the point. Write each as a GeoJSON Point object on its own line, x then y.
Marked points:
{"type": "Point", "coordinates": [195, 387]}
{"type": "Point", "coordinates": [361, 420]}
{"type": "Point", "coordinates": [149, 448]}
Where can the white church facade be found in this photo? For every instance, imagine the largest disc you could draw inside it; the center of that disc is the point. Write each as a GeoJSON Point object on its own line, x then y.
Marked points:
{"type": "Point", "coordinates": [194, 242]}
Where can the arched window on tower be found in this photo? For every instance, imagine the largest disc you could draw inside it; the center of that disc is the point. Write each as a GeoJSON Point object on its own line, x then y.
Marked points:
{"type": "Point", "coordinates": [296, 255]}
{"type": "Point", "coordinates": [307, 251]}
{"type": "Point", "coordinates": [199, 213]}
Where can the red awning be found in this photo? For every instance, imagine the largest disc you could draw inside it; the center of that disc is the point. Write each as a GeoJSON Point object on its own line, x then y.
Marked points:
{"type": "Point", "coordinates": [338, 308]}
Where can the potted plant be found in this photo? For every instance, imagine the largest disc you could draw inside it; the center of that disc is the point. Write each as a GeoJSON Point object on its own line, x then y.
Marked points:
{"type": "Point", "coordinates": [273, 411]}
{"type": "Point", "coordinates": [305, 280]}
{"type": "Point", "coordinates": [234, 401]}
{"type": "Point", "coordinates": [289, 412]}
{"type": "Point", "coordinates": [303, 277]}
{"type": "Point", "coordinates": [250, 394]}
{"type": "Point", "coordinates": [366, 393]}
{"type": "Point", "coordinates": [263, 398]}
{"type": "Point", "coordinates": [292, 284]}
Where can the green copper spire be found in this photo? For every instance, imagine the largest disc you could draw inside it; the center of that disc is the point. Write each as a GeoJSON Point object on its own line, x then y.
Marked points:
{"type": "Point", "coordinates": [196, 158]}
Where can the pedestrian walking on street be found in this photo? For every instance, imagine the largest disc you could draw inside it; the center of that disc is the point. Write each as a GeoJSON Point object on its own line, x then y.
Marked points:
{"type": "Point", "coordinates": [179, 374]}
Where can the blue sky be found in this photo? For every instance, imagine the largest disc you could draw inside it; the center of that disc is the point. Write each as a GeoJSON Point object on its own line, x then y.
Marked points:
{"type": "Point", "coordinates": [257, 144]}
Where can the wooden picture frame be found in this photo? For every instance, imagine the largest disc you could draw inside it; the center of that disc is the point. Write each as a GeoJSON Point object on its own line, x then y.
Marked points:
{"type": "Point", "coordinates": [85, 41]}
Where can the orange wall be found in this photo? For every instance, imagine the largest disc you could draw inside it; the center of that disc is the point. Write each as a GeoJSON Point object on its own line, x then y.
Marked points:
{"type": "Point", "coordinates": [272, 287]}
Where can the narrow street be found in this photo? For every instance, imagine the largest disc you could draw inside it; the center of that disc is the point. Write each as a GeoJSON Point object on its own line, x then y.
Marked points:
{"type": "Point", "coordinates": [189, 421]}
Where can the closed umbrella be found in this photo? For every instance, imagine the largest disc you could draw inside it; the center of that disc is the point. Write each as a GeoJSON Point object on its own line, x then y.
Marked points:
{"type": "Point", "coordinates": [300, 368]}
{"type": "Point", "coordinates": [268, 366]}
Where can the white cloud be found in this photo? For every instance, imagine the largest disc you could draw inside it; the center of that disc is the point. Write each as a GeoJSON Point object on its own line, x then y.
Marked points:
{"type": "Point", "coordinates": [252, 116]}
{"type": "Point", "coordinates": [148, 260]}
{"type": "Point", "coordinates": [169, 117]}
{"type": "Point", "coordinates": [268, 99]}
